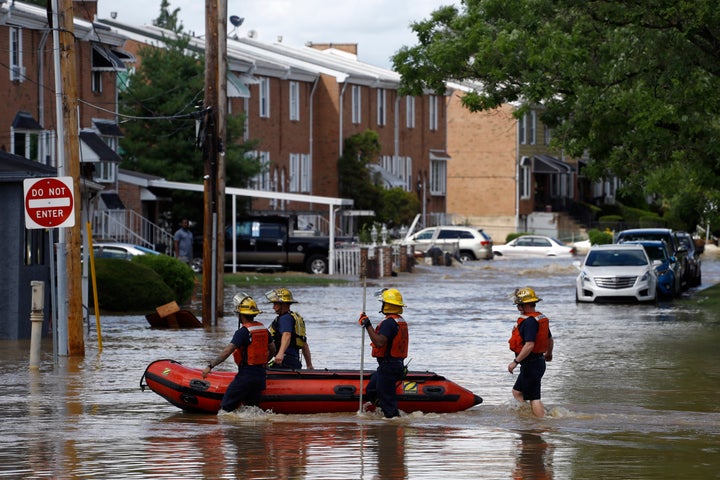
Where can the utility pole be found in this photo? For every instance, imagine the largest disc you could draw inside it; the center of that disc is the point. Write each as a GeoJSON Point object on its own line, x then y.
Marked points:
{"type": "Point", "coordinates": [222, 142]}
{"type": "Point", "coordinates": [210, 157]}
{"type": "Point", "coordinates": [71, 146]}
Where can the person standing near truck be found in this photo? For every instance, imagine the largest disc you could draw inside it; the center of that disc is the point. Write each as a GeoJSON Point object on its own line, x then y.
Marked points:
{"type": "Point", "coordinates": [184, 242]}
{"type": "Point", "coordinates": [288, 331]}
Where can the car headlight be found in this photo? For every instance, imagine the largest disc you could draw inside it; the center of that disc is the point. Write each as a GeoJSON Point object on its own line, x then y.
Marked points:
{"type": "Point", "coordinates": [584, 277]}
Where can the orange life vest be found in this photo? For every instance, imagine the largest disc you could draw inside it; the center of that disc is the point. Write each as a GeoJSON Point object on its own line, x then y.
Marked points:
{"type": "Point", "coordinates": [398, 345]}
{"type": "Point", "coordinates": [541, 340]}
{"type": "Point", "coordinates": [257, 352]}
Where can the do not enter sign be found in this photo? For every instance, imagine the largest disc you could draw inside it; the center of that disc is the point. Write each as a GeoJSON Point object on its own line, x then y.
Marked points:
{"type": "Point", "coordinates": [49, 202]}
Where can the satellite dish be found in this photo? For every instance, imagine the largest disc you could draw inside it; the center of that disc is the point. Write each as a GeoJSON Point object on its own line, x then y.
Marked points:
{"type": "Point", "coordinates": [236, 21]}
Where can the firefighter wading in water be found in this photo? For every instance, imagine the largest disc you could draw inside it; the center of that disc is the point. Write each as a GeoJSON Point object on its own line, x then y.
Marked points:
{"type": "Point", "coordinates": [532, 343]}
{"type": "Point", "coordinates": [390, 348]}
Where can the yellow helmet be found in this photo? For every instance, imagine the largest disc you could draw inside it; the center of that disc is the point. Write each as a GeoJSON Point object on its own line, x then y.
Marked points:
{"type": "Point", "coordinates": [524, 295]}
{"type": "Point", "coordinates": [280, 295]}
{"type": "Point", "coordinates": [391, 296]}
{"type": "Point", "coordinates": [245, 305]}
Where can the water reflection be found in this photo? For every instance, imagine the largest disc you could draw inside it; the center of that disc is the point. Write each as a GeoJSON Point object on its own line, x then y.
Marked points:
{"type": "Point", "coordinates": [626, 383]}
{"type": "Point", "coordinates": [534, 457]}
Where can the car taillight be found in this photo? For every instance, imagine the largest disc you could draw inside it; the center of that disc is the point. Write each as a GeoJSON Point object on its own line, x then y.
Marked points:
{"type": "Point", "coordinates": [484, 243]}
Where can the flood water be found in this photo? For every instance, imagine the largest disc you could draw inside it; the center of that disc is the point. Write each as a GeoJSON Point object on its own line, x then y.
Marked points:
{"type": "Point", "coordinates": [632, 392]}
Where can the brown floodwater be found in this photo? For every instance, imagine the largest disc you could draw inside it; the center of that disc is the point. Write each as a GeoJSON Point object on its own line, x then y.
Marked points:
{"type": "Point", "coordinates": [631, 393]}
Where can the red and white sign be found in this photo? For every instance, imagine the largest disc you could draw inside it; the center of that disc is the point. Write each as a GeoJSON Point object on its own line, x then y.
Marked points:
{"type": "Point", "coordinates": [49, 202]}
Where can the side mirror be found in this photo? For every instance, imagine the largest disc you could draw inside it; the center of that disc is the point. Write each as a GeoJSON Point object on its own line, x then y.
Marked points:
{"type": "Point", "coordinates": [673, 259]}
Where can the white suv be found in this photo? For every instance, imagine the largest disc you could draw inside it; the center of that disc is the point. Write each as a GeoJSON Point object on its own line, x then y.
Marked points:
{"type": "Point", "coordinates": [468, 243]}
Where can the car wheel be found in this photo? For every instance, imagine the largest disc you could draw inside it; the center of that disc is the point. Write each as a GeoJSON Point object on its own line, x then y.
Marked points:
{"type": "Point", "coordinates": [196, 265]}
{"type": "Point", "coordinates": [466, 257]}
{"type": "Point", "coordinates": [317, 264]}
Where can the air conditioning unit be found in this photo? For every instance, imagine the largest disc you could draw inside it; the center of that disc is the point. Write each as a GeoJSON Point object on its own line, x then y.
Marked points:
{"type": "Point", "coordinates": [17, 73]}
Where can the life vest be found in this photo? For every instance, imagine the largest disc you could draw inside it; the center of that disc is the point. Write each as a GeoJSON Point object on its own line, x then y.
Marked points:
{"type": "Point", "coordinates": [298, 339]}
{"type": "Point", "coordinates": [396, 347]}
{"type": "Point", "coordinates": [541, 340]}
{"type": "Point", "coordinates": [257, 352]}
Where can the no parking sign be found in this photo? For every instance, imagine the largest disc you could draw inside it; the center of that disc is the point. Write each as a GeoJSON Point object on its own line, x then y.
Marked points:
{"type": "Point", "coordinates": [49, 202]}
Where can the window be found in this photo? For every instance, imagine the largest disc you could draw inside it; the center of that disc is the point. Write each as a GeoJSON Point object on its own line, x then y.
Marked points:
{"type": "Point", "coordinates": [438, 176]}
{"type": "Point", "coordinates": [548, 135]}
{"type": "Point", "coordinates": [96, 82]}
{"type": "Point", "coordinates": [410, 112]}
{"type": "Point", "coordinates": [531, 127]}
{"type": "Point", "coordinates": [294, 101]}
{"type": "Point", "coordinates": [261, 181]}
{"type": "Point", "coordinates": [524, 179]}
{"type": "Point", "coordinates": [105, 172]}
{"type": "Point", "coordinates": [400, 167]}
{"type": "Point", "coordinates": [433, 107]}
{"type": "Point", "coordinates": [300, 173]}
{"type": "Point", "coordinates": [522, 128]}
{"type": "Point", "coordinates": [17, 70]}
{"type": "Point", "coordinates": [264, 97]}
{"type": "Point", "coordinates": [381, 109]}
{"type": "Point", "coordinates": [356, 104]}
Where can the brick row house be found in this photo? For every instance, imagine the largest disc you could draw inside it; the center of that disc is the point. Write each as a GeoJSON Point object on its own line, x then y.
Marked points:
{"type": "Point", "coordinates": [28, 135]}
{"type": "Point", "coordinates": [301, 103]}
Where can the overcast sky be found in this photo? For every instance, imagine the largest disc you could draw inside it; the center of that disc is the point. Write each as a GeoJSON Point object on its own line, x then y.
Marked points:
{"type": "Point", "coordinates": [379, 27]}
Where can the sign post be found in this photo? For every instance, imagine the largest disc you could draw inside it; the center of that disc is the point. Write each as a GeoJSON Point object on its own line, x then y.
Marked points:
{"type": "Point", "coordinates": [49, 202]}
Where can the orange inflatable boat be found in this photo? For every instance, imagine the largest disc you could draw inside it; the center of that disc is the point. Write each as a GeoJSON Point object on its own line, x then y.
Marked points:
{"type": "Point", "coordinates": [303, 391]}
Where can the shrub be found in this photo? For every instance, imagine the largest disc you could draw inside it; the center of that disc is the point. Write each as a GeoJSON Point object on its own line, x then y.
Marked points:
{"type": "Point", "coordinates": [129, 287]}
{"type": "Point", "coordinates": [598, 237]}
{"type": "Point", "coordinates": [176, 274]}
{"type": "Point", "coordinates": [512, 236]}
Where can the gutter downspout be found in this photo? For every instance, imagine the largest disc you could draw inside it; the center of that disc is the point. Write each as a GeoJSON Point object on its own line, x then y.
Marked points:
{"type": "Point", "coordinates": [341, 109]}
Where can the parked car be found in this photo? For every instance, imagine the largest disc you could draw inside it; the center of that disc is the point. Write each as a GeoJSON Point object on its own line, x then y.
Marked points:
{"type": "Point", "coordinates": [666, 267]}
{"type": "Point", "coordinates": [471, 243]}
{"type": "Point", "coordinates": [693, 269]}
{"type": "Point", "coordinates": [665, 234]}
{"type": "Point", "coordinates": [616, 272]}
{"type": "Point", "coordinates": [534, 245]}
{"type": "Point", "coordinates": [123, 251]}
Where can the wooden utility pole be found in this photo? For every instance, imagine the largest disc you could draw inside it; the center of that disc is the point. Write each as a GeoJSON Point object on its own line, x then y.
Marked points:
{"type": "Point", "coordinates": [210, 159]}
{"type": "Point", "coordinates": [71, 145]}
{"type": "Point", "coordinates": [222, 139]}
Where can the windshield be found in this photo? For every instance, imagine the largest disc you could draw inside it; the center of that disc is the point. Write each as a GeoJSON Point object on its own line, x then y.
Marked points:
{"type": "Point", "coordinates": [616, 258]}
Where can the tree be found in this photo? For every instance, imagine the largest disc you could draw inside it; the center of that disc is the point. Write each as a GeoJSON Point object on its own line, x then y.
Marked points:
{"type": "Point", "coordinates": [162, 100]}
{"type": "Point", "coordinates": [394, 207]}
{"type": "Point", "coordinates": [633, 84]}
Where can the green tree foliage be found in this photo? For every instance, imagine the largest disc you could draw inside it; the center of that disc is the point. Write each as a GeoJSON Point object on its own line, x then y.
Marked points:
{"type": "Point", "coordinates": [636, 85]}
{"type": "Point", "coordinates": [162, 104]}
{"type": "Point", "coordinates": [393, 207]}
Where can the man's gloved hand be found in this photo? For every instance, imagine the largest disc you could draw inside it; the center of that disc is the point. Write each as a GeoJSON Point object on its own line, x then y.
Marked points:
{"type": "Point", "coordinates": [364, 321]}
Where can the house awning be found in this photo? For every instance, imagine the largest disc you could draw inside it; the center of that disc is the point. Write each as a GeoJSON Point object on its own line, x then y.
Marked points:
{"type": "Point", "coordinates": [548, 164]}
{"type": "Point", "coordinates": [236, 88]}
{"type": "Point", "coordinates": [105, 59]}
{"type": "Point", "coordinates": [439, 155]}
{"type": "Point", "coordinates": [93, 149]}
{"type": "Point", "coordinates": [25, 121]}
{"type": "Point", "coordinates": [108, 128]}
{"type": "Point", "coordinates": [390, 180]}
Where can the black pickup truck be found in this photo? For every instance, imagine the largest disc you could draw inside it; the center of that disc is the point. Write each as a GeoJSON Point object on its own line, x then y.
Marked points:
{"type": "Point", "coordinates": [270, 242]}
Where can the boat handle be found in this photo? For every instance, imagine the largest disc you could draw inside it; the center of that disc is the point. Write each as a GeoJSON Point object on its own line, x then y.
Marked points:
{"type": "Point", "coordinates": [344, 390]}
{"type": "Point", "coordinates": [198, 384]}
{"type": "Point", "coordinates": [434, 389]}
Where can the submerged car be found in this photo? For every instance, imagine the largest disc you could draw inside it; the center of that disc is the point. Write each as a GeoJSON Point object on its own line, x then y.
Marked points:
{"type": "Point", "coordinates": [666, 267]}
{"type": "Point", "coordinates": [468, 243]}
{"type": "Point", "coordinates": [614, 273]}
{"type": "Point", "coordinates": [123, 251]}
{"type": "Point", "coordinates": [533, 245]}
{"type": "Point", "coordinates": [693, 265]}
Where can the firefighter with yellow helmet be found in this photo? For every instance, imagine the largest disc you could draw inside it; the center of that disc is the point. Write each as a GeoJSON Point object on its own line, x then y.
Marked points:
{"type": "Point", "coordinates": [252, 348]}
{"type": "Point", "coordinates": [390, 341]}
{"type": "Point", "coordinates": [288, 331]}
{"type": "Point", "coordinates": [532, 343]}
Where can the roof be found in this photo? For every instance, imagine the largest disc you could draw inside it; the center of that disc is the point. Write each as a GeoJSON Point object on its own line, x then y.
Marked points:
{"type": "Point", "coordinates": [15, 168]}
{"type": "Point", "coordinates": [93, 149]}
